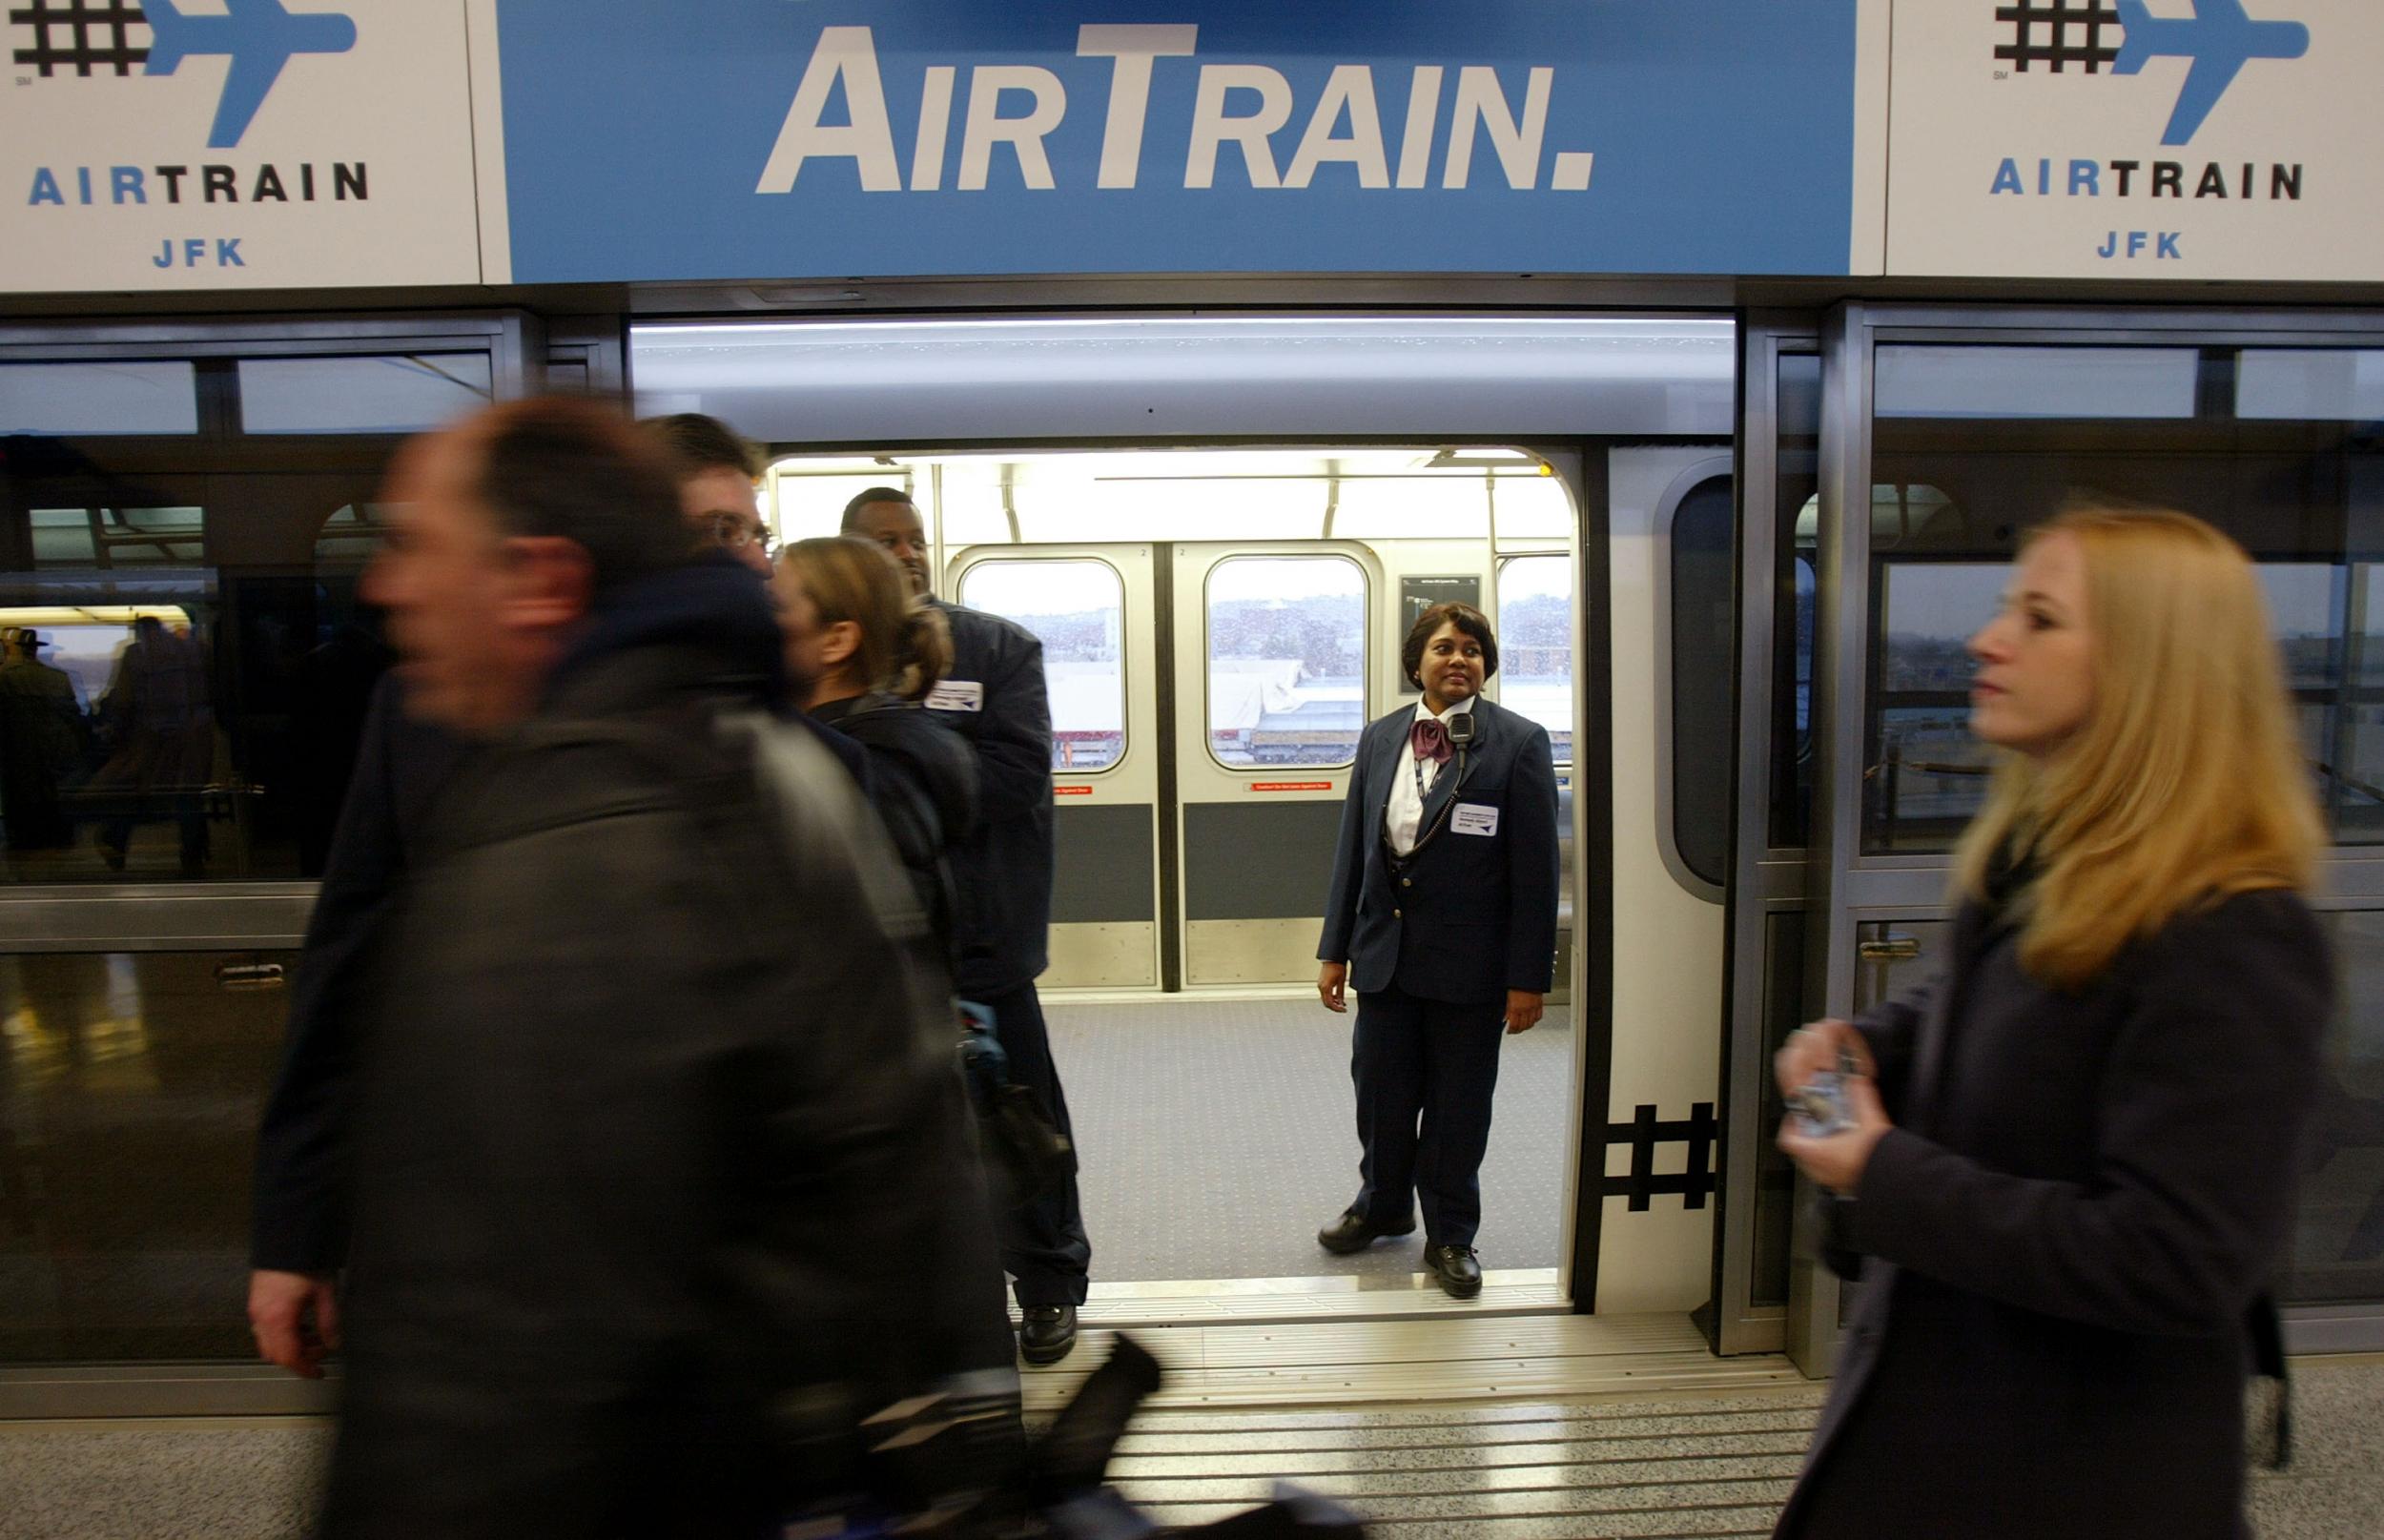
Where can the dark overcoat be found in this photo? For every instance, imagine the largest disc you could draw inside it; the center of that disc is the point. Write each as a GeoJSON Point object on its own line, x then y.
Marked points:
{"type": "Point", "coordinates": [657, 1050]}
{"type": "Point", "coordinates": [2085, 1193]}
{"type": "Point", "coordinates": [995, 697]}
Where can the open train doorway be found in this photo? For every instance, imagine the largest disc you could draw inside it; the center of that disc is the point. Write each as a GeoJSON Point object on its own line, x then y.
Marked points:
{"type": "Point", "coordinates": [1220, 598]}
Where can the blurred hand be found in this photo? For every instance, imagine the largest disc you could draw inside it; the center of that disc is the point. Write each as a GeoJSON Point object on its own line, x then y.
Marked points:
{"type": "Point", "coordinates": [1837, 1160]}
{"type": "Point", "coordinates": [281, 1309]}
{"type": "Point", "coordinates": [1523, 1010]}
{"type": "Point", "coordinates": [1333, 986]}
{"type": "Point", "coordinates": [1813, 1048]}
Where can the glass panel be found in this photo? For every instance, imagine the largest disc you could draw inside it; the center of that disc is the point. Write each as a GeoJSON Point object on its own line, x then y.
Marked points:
{"type": "Point", "coordinates": [1078, 608]}
{"type": "Point", "coordinates": [1774, 1174]}
{"type": "Point", "coordinates": [2303, 496]}
{"type": "Point", "coordinates": [2338, 1245]}
{"type": "Point", "coordinates": [1703, 546]}
{"type": "Point", "coordinates": [130, 1089]}
{"type": "Point", "coordinates": [1535, 645]}
{"type": "Point", "coordinates": [2319, 384]}
{"type": "Point", "coordinates": [1928, 380]}
{"type": "Point", "coordinates": [811, 497]}
{"type": "Point", "coordinates": [1797, 404]}
{"type": "Point", "coordinates": [368, 395]}
{"type": "Point", "coordinates": [1287, 661]}
{"type": "Point", "coordinates": [1931, 773]}
{"type": "Point", "coordinates": [183, 664]}
{"type": "Point", "coordinates": [94, 398]}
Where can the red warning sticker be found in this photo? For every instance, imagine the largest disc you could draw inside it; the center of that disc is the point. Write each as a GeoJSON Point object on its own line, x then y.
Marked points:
{"type": "Point", "coordinates": [1291, 786]}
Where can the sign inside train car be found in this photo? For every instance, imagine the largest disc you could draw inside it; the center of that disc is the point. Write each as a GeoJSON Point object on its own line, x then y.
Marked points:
{"type": "Point", "coordinates": [2136, 139]}
{"type": "Point", "coordinates": [778, 139]}
{"type": "Point", "coordinates": [223, 144]}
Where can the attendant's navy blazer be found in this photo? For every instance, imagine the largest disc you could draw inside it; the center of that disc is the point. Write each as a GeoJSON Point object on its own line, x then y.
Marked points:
{"type": "Point", "coordinates": [1465, 916]}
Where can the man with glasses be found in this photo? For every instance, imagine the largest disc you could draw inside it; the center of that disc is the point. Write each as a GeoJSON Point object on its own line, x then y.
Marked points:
{"type": "Point", "coordinates": [719, 473]}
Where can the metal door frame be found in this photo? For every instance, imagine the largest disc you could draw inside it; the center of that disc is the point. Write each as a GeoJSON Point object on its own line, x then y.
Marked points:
{"type": "Point", "coordinates": [1763, 880]}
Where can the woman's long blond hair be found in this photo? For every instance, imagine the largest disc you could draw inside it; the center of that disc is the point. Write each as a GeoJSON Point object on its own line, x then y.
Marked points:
{"type": "Point", "coordinates": [905, 648]}
{"type": "Point", "coordinates": [2186, 782]}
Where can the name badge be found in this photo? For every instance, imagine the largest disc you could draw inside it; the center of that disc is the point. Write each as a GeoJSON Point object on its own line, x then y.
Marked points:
{"type": "Point", "coordinates": [1473, 818]}
{"type": "Point", "coordinates": [956, 696]}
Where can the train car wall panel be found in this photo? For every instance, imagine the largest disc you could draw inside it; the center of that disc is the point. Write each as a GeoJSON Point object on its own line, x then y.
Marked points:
{"type": "Point", "coordinates": [750, 139]}
{"type": "Point", "coordinates": [1654, 1254]}
{"type": "Point", "coordinates": [171, 145]}
{"type": "Point", "coordinates": [2136, 139]}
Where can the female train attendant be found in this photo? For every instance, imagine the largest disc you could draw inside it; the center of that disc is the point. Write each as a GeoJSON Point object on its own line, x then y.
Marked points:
{"type": "Point", "coordinates": [2070, 1163]}
{"type": "Point", "coordinates": [1443, 917]}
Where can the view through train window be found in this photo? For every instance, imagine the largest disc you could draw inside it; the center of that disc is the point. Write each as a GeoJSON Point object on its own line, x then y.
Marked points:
{"type": "Point", "coordinates": [1287, 661]}
{"type": "Point", "coordinates": [1076, 609]}
{"type": "Point", "coordinates": [1534, 626]}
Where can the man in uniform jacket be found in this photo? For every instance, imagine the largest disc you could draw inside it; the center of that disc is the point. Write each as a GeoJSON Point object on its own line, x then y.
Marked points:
{"type": "Point", "coordinates": [1442, 917]}
{"type": "Point", "coordinates": [995, 697]}
{"type": "Point", "coordinates": [657, 1044]}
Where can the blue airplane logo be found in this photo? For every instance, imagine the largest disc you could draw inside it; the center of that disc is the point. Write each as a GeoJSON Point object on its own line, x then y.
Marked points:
{"type": "Point", "coordinates": [259, 36]}
{"type": "Point", "coordinates": [2218, 37]}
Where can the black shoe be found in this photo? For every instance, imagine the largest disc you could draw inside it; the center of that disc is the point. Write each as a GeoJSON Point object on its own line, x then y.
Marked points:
{"type": "Point", "coordinates": [1455, 1270]}
{"type": "Point", "coordinates": [1350, 1234]}
{"type": "Point", "coordinates": [1049, 1333]}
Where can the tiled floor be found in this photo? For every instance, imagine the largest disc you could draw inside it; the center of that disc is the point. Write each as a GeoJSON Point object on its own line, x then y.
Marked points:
{"type": "Point", "coordinates": [1216, 1135]}
{"type": "Point", "coordinates": [1672, 1464]}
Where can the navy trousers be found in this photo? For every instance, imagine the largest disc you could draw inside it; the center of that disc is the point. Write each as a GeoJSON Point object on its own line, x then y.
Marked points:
{"type": "Point", "coordinates": [1425, 1072]}
{"type": "Point", "coordinates": [1043, 1246]}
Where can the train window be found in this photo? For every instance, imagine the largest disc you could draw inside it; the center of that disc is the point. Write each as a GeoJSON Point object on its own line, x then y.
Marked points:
{"type": "Point", "coordinates": [1530, 506]}
{"type": "Point", "coordinates": [1535, 645]}
{"type": "Point", "coordinates": [2315, 384]}
{"type": "Point", "coordinates": [1701, 547]}
{"type": "Point", "coordinates": [1796, 529]}
{"type": "Point", "coordinates": [1287, 661]}
{"type": "Point", "coordinates": [1928, 380]}
{"type": "Point", "coordinates": [2338, 1239]}
{"type": "Point", "coordinates": [810, 498]}
{"type": "Point", "coordinates": [1078, 608]}
{"type": "Point", "coordinates": [133, 1082]}
{"type": "Point", "coordinates": [2303, 494]}
{"type": "Point", "coordinates": [361, 395]}
{"type": "Point", "coordinates": [91, 398]}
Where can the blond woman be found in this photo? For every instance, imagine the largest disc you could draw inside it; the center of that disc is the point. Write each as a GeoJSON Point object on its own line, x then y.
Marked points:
{"type": "Point", "coordinates": [2070, 1167]}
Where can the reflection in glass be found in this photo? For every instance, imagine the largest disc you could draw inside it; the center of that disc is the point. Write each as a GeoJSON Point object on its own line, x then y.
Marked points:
{"type": "Point", "coordinates": [1077, 609]}
{"type": "Point", "coordinates": [2339, 1243]}
{"type": "Point", "coordinates": [1534, 628]}
{"type": "Point", "coordinates": [130, 1089]}
{"type": "Point", "coordinates": [364, 395]}
{"type": "Point", "coordinates": [1927, 774]}
{"type": "Point", "coordinates": [1287, 661]}
{"type": "Point", "coordinates": [83, 400]}
{"type": "Point", "coordinates": [1704, 543]}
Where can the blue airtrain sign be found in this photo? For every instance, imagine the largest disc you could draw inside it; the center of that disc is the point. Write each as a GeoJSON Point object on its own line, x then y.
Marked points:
{"type": "Point", "coordinates": [754, 139]}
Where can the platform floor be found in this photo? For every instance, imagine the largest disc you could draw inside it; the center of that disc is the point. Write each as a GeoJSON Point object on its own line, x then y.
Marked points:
{"type": "Point", "coordinates": [1216, 1138]}
{"type": "Point", "coordinates": [1661, 1463]}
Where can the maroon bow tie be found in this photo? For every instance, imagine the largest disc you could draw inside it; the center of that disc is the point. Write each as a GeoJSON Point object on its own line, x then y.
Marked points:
{"type": "Point", "coordinates": [1430, 738]}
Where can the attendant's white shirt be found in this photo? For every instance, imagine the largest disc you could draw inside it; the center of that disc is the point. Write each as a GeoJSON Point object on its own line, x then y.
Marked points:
{"type": "Point", "coordinates": [1405, 811]}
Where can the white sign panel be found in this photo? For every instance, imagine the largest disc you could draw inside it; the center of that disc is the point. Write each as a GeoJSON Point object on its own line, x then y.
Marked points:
{"type": "Point", "coordinates": [2136, 139]}
{"type": "Point", "coordinates": [231, 144]}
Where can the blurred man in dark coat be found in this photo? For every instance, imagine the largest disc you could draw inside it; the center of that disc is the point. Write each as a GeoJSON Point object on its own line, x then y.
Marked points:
{"type": "Point", "coordinates": [657, 1047]}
